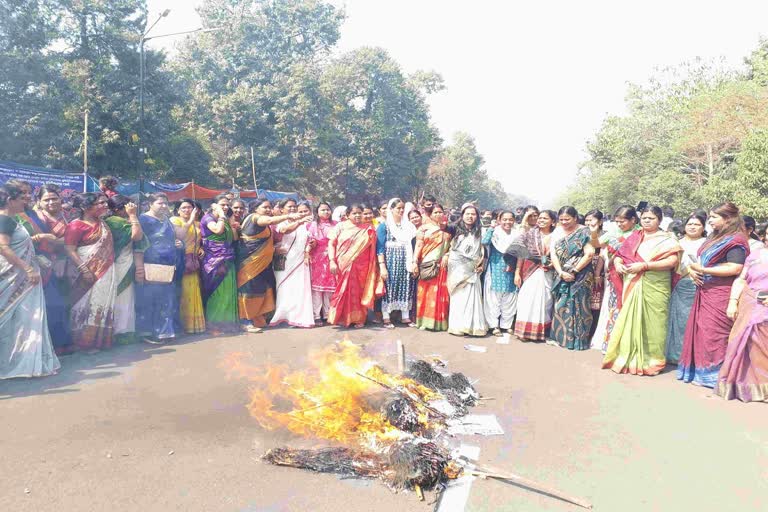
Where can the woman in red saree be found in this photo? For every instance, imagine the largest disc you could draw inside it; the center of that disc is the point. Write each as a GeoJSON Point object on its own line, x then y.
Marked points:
{"type": "Point", "coordinates": [432, 244]}
{"type": "Point", "coordinates": [352, 255]}
{"type": "Point", "coordinates": [721, 260]}
{"type": "Point", "coordinates": [93, 281]}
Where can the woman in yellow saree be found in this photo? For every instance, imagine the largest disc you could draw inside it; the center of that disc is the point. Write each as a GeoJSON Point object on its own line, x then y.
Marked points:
{"type": "Point", "coordinates": [644, 263]}
{"type": "Point", "coordinates": [352, 254]}
{"type": "Point", "coordinates": [187, 226]}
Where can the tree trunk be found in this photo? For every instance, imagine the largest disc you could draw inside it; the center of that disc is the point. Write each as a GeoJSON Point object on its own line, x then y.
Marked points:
{"type": "Point", "coordinates": [710, 161]}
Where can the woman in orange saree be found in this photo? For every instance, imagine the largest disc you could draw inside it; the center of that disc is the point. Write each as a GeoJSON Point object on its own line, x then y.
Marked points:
{"type": "Point", "coordinates": [432, 297]}
{"type": "Point", "coordinates": [255, 276]}
{"type": "Point", "coordinates": [352, 254]}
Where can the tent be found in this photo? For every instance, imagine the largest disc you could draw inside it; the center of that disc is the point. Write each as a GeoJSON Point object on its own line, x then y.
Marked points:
{"type": "Point", "coordinates": [178, 191]}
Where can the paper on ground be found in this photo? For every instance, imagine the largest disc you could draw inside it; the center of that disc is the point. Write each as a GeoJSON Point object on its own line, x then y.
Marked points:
{"type": "Point", "coordinates": [503, 340]}
{"type": "Point", "coordinates": [475, 348]}
{"type": "Point", "coordinates": [456, 494]}
{"type": "Point", "coordinates": [481, 424]}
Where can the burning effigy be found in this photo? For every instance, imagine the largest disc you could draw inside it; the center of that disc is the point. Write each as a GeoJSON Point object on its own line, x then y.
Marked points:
{"type": "Point", "coordinates": [377, 424]}
{"type": "Point", "coordinates": [383, 425]}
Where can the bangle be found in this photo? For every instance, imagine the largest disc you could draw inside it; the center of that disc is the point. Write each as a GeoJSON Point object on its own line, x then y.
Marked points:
{"type": "Point", "coordinates": [29, 270]}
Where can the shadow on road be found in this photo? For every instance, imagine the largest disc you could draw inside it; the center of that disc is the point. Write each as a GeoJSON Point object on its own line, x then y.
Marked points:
{"type": "Point", "coordinates": [81, 367]}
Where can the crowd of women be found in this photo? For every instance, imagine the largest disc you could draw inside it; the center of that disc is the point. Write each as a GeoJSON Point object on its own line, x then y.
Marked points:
{"type": "Point", "coordinates": [645, 296]}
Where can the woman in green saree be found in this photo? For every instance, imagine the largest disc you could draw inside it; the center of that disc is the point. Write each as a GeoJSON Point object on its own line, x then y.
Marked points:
{"type": "Point", "coordinates": [218, 269]}
{"type": "Point", "coordinates": [644, 264]}
{"type": "Point", "coordinates": [127, 236]}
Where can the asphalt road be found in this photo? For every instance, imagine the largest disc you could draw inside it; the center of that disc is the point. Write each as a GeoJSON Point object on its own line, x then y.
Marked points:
{"type": "Point", "coordinates": [145, 428]}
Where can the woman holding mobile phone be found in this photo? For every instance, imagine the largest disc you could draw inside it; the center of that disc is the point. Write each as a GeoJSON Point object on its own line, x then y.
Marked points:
{"type": "Point", "coordinates": [684, 289]}
{"type": "Point", "coordinates": [722, 258]}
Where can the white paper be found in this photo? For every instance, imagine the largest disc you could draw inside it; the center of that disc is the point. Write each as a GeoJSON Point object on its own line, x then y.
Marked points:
{"type": "Point", "coordinates": [480, 424]}
{"type": "Point", "coordinates": [456, 494]}
{"type": "Point", "coordinates": [503, 340]}
{"type": "Point", "coordinates": [475, 348]}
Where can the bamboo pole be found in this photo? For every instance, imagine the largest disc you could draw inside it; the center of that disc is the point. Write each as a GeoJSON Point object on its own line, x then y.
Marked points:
{"type": "Point", "coordinates": [400, 357]}
{"type": "Point", "coordinates": [528, 484]}
{"type": "Point", "coordinates": [253, 170]}
{"type": "Point", "coordinates": [85, 153]}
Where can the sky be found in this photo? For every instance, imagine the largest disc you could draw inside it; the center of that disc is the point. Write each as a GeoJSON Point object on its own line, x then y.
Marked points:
{"type": "Point", "coordinates": [532, 82]}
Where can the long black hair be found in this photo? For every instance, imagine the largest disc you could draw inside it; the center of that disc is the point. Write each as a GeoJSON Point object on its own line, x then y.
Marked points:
{"type": "Point", "coordinates": [463, 229]}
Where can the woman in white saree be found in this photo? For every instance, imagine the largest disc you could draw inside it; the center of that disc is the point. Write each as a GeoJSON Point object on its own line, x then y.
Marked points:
{"type": "Point", "coordinates": [466, 261]}
{"type": "Point", "coordinates": [26, 349]}
{"type": "Point", "coordinates": [292, 278]}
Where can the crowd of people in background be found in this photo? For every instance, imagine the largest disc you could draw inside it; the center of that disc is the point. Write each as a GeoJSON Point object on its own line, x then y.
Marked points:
{"type": "Point", "coordinates": [646, 289]}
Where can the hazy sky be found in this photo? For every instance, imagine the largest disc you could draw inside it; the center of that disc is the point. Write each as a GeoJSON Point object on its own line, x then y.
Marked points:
{"type": "Point", "coordinates": [532, 82]}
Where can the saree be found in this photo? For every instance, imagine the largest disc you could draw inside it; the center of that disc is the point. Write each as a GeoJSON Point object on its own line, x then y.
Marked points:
{"type": "Point", "coordinates": [683, 293]}
{"type": "Point", "coordinates": [219, 284]}
{"type": "Point", "coordinates": [636, 344]}
{"type": "Point", "coordinates": [465, 313]}
{"type": "Point", "coordinates": [612, 241]}
{"type": "Point", "coordinates": [92, 313]}
{"type": "Point", "coordinates": [706, 336]}
{"type": "Point", "coordinates": [26, 349]}
{"type": "Point", "coordinates": [191, 312]}
{"type": "Point", "coordinates": [357, 277]}
{"type": "Point", "coordinates": [293, 285]}
{"type": "Point", "coordinates": [432, 297]}
{"type": "Point", "coordinates": [744, 374]}
{"type": "Point", "coordinates": [157, 302]}
{"type": "Point", "coordinates": [255, 278]}
{"type": "Point", "coordinates": [125, 270]}
{"type": "Point", "coordinates": [53, 262]}
{"type": "Point", "coordinates": [572, 319]}
{"type": "Point", "coordinates": [534, 301]}
{"type": "Point", "coordinates": [320, 271]}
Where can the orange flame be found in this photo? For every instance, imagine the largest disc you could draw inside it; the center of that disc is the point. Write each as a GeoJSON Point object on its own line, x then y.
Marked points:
{"type": "Point", "coordinates": [332, 399]}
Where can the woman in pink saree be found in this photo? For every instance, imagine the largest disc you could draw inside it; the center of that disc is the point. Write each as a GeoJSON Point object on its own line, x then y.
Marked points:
{"type": "Point", "coordinates": [744, 374]}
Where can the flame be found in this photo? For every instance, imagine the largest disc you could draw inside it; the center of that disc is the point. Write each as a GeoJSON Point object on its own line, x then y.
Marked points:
{"type": "Point", "coordinates": [333, 399]}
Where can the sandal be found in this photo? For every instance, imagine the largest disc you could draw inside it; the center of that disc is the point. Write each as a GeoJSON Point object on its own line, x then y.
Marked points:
{"type": "Point", "coordinates": [252, 329]}
{"type": "Point", "coordinates": [358, 326]}
{"type": "Point", "coordinates": [496, 331]}
{"type": "Point", "coordinates": [389, 325]}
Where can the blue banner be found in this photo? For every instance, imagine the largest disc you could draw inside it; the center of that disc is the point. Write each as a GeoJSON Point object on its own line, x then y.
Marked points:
{"type": "Point", "coordinates": [37, 176]}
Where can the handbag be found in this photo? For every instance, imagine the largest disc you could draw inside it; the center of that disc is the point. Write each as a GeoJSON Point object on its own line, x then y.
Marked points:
{"type": "Point", "coordinates": [429, 269]}
{"type": "Point", "coordinates": [156, 273]}
{"type": "Point", "coordinates": [278, 261]}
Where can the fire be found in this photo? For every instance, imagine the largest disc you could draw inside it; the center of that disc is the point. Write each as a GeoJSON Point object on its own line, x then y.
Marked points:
{"type": "Point", "coordinates": [337, 398]}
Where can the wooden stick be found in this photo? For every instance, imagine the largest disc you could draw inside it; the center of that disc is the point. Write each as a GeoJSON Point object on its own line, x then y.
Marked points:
{"type": "Point", "coordinates": [419, 492]}
{"type": "Point", "coordinates": [400, 357]}
{"type": "Point", "coordinates": [529, 484]}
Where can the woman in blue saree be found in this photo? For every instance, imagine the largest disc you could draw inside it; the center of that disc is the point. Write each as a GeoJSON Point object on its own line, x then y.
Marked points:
{"type": "Point", "coordinates": [572, 258]}
{"type": "Point", "coordinates": [157, 301]}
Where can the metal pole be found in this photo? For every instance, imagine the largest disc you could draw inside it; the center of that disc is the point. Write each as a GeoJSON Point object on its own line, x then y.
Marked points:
{"type": "Point", "coordinates": [140, 171]}
{"type": "Point", "coordinates": [85, 153]}
{"type": "Point", "coordinates": [253, 169]}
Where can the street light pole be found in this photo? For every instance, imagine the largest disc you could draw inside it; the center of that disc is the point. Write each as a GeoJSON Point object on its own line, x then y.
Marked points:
{"type": "Point", "coordinates": [144, 39]}
{"type": "Point", "coordinates": [142, 148]}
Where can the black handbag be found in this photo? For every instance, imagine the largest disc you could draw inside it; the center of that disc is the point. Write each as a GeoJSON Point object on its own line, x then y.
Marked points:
{"type": "Point", "coordinates": [429, 269]}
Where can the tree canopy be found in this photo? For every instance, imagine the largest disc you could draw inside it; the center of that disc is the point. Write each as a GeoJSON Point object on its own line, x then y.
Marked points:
{"type": "Point", "coordinates": [694, 135]}
{"type": "Point", "coordinates": [262, 80]}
